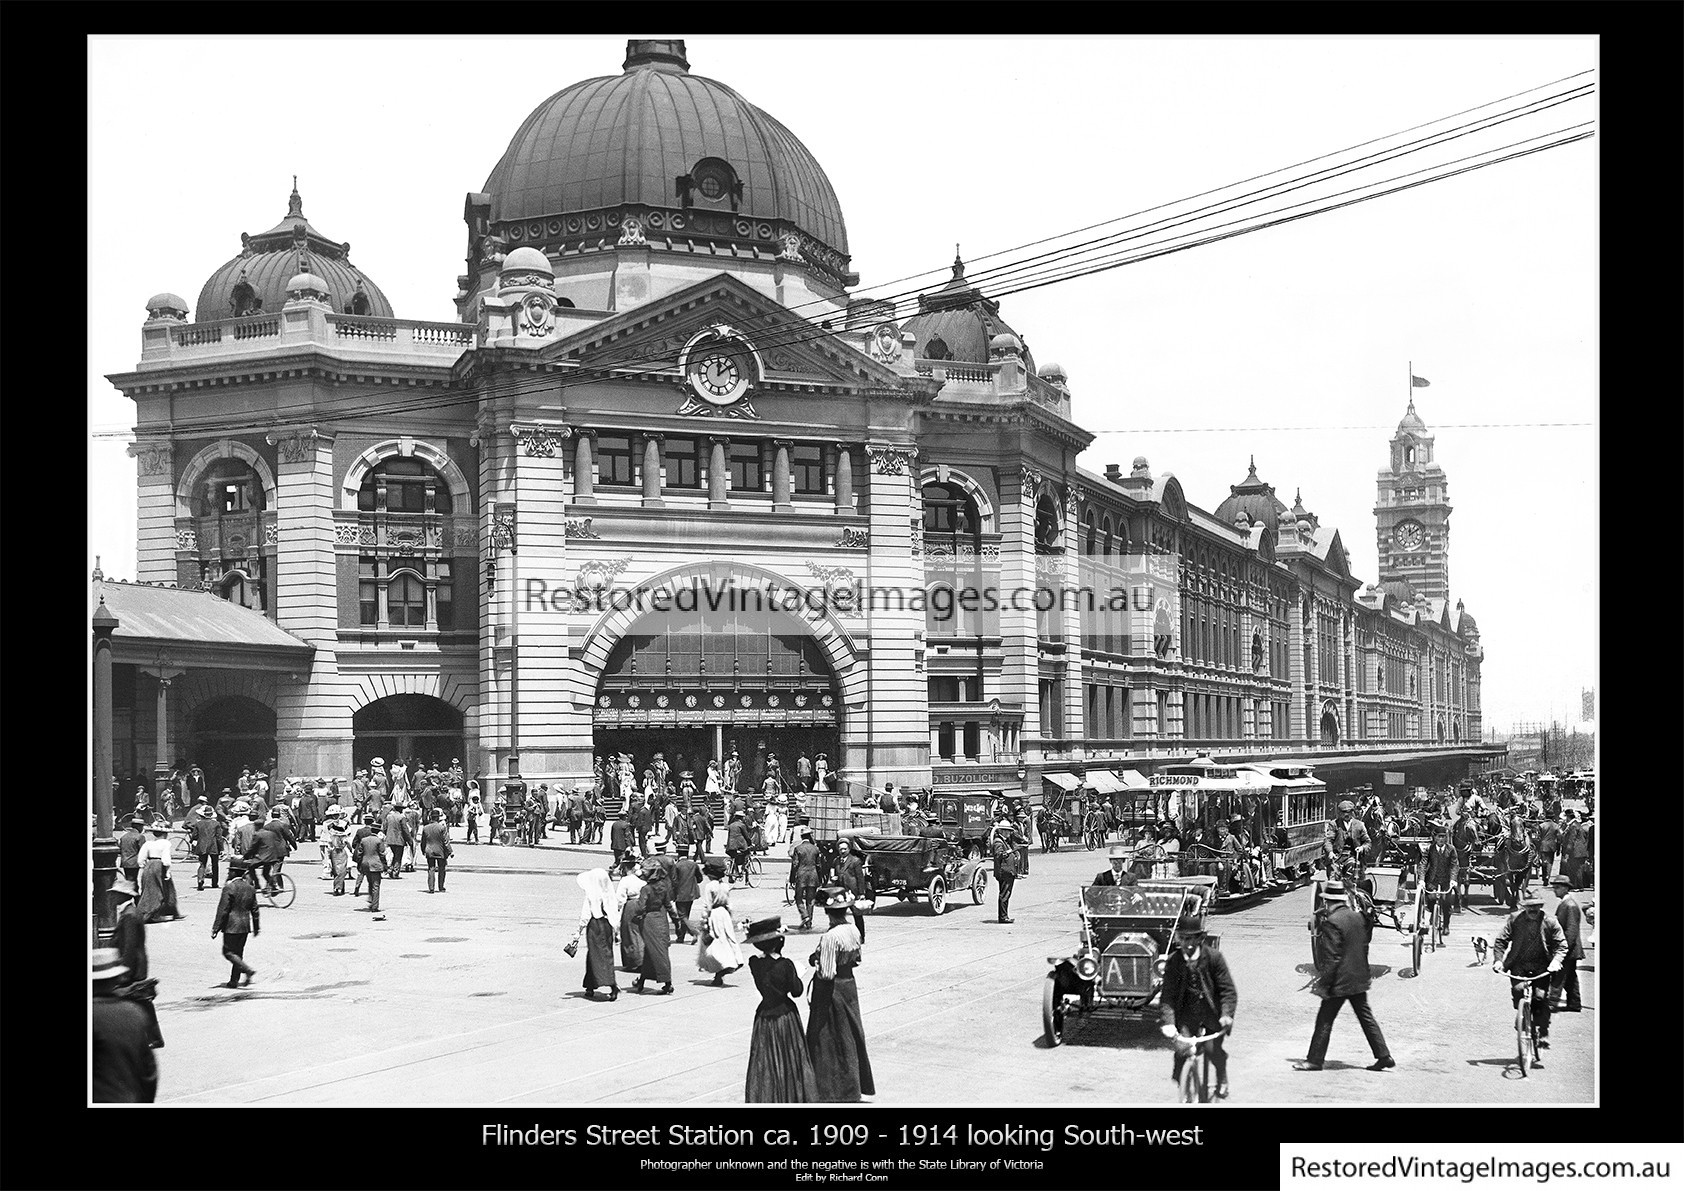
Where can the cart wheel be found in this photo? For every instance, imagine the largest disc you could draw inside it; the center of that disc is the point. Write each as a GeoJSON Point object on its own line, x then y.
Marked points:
{"type": "Point", "coordinates": [979, 886]}
{"type": "Point", "coordinates": [1052, 1011]}
{"type": "Point", "coordinates": [938, 895]}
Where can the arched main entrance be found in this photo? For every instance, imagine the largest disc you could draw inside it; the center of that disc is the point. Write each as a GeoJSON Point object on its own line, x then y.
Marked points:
{"type": "Point", "coordinates": [1329, 728]}
{"type": "Point", "coordinates": [408, 727]}
{"type": "Point", "coordinates": [693, 684]}
{"type": "Point", "coordinates": [230, 734]}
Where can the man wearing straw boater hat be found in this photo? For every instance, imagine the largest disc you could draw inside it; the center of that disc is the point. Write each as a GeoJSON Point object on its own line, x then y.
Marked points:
{"type": "Point", "coordinates": [124, 1068]}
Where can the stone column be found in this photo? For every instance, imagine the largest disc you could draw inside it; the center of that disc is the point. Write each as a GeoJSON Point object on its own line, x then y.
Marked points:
{"type": "Point", "coordinates": [886, 738]}
{"type": "Point", "coordinates": [1076, 727]}
{"type": "Point", "coordinates": [584, 459]}
{"type": "Point", "coordinates": [780, 475]}
{"type": "Point", "coordinates": [1019, 653]}
{"type": "Point", "coordinates": [718, 472]}
{"type": "Point", "coordinates": [844, 479]}
{"type": "Point", "coordinates": [312, 733]}
{"type": "Point", "coordinates": [155, 532]}
{"type": "Point", "coordinates": [543, 682]}
{"type": "Point", "coordinates": [652, 471]}
{"type": "Point", "coordinates": [163, 745]}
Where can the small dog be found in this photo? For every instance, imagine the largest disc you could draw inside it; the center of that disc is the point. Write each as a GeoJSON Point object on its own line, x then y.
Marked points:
{"type": "Point", "coordinates": [1480, 944]}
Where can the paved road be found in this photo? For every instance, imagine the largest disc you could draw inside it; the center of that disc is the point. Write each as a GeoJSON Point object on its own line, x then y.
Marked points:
{"type": "Point", "coordinates": [467, 998]}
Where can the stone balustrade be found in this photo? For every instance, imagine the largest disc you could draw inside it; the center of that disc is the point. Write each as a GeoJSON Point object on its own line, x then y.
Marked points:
{"type": "Point", "coordinates": [359, 337]}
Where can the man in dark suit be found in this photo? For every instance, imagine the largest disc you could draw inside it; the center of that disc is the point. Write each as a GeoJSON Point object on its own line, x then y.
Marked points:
{"type": "Point", "coordinates": [129, 845]}
{"type": "Point", "coordinates": [1341, 950]}
{"type": "Point", "coordinates": [124, 1068]}
{"type": "Point", "coordinates": [373, 861]}
{"type": "Point", "coordinates": [642, 819]}
{"type": "Point", "coordinates": [208, 835]}
{"type": "Point", "coordinates": [686, 888]}
{"type": "Point", "coordinates": [435, 846]}
{"type": "Point", "coordinates": [620, 836]}
{"type": "Point", "coordinates": [269, 847]}
{"type": "Point", "coordinates": [1346, 836]}
{"type": "Point", "coordinates": [804, 876]}
{"type": "Point", "coordinates": [1570, 915]}
{"type": "Point", "coordinates": [1198, 997]}
{"type": "Point", "coordinates": [397, 835]}
{"type": "Point", "coordinates": [1533, 943]}
{"type": "Point", "coordinates": [1119, 873]}
{"type": "Point", "coordinates": [701, 830]}
{"type": "Point", "coordinates": [236, 918]}
{"type": "Point", "coordinates": [1005, 841]}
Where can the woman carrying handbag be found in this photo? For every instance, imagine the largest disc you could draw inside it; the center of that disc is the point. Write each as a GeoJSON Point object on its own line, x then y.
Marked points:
{"type": "Point", "coordinates": [596, 927]}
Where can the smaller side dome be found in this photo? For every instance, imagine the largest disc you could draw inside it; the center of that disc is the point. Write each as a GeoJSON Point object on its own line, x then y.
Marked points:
{"type": "Point", "coordinates": [1140, 467]}
{"type": "Point", "coordinates": [1003, 343]}
{"type": "Point", "coordinates": [167, 306]}
{"type": "Point", "coordinates": [527, 260]}
{"type": "Point", "coordinates": [307, 286]}
{"type": "Point", "coordinates": [1054, 374]}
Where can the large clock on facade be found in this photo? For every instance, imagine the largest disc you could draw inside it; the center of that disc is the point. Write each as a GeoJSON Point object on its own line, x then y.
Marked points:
{"type": "Point", "coordinates": [1409, 536]}
{"type": "Point", "coordinates": [720, 366]}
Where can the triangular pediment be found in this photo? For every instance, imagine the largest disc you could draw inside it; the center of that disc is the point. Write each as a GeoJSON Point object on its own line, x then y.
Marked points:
{"type": "Point", "coordinates": [791, 350]}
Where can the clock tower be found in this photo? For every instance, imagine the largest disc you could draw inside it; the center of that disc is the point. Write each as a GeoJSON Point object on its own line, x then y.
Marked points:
{"type": "Point", "coordinates": [1412, 513]}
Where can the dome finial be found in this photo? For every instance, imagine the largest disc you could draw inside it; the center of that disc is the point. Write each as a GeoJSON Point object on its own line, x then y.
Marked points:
{"type": "Point", "coordinates": [659, 55]}
{"type": "Point", "coordinates": [958, 265]}
{"type": "Point", "coordinates": [295, 205]}
{"type": "Point", "coordinates": [1252, 474]}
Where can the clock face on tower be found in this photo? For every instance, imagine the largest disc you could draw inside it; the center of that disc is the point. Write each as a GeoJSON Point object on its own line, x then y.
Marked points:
{"type": "Point", "coordinates": [1409, 536]}
{"type": "Point", "coordinates": [719, 366]}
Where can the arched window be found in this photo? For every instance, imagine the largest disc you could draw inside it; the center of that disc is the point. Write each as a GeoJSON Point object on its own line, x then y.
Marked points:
{"type": "Point", "coordinates": [1092, 535]}
{"type": "Point", "coordinates": [949, 509]}
{"type": "Point", "coordinates": [229, 488]}
{"type": "Point", "coordinates": [406, 600]}
{"type": "Point", "coordinates": [1049, 526]}
{"type": "Point", "coordinates": [403, 485]}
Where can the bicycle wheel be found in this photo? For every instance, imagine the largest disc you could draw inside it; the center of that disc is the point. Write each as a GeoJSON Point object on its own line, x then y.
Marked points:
{"type": "Point", "coordinates": [1436, 938]}
{"type": "Point", "coordinates": [748, 873]}
{"type": "Point", "coordinates": [1191, 1091]}
{"type": "Point", "coordinates": [285, 891]}
{"type": "Point", "coordinates": [1416, 937]}
{"type": "Point", "coordinates": [1523, 1032]}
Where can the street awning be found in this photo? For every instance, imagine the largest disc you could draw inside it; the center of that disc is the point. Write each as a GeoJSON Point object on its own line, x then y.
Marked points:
{"type": "Point", "coordinates": [1134, 780]}
{"type": "Point", "coordinates": [1064, 781]}
{"type": "Point", "coordinates": [1105, 782]}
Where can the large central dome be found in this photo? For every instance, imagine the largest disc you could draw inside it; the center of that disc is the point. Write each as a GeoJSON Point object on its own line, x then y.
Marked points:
{"type": "Point", "coordinates": [701, 160]}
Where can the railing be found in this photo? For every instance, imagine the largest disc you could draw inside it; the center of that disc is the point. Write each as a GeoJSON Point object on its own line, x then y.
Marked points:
{"type": "Point", "coordinates": [257, 328]}
{"type": "Point", "coordinates": [191, 336]}
{"type": "Point", "coordinates": [356, 326]}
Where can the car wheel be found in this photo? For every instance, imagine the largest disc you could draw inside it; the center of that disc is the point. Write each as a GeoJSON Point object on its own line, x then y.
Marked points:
{"type": "Point", "coordinates": [1052, 1011]}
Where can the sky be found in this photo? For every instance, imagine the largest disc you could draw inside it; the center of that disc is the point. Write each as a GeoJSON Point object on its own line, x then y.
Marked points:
{"type": "Point", "coordinates": [1293, 344]}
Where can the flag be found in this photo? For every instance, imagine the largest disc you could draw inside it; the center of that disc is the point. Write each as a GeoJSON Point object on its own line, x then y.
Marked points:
{"type": "Point", "coordinates": [1419, 382]}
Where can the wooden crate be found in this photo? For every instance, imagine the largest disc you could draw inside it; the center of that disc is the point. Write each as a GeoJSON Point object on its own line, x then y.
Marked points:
{"type": "Point", "coordinates": [827, 813]}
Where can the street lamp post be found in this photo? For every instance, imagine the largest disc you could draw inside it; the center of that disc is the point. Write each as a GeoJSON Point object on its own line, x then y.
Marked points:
{"type": "Point", "coordinates": [105, 841]}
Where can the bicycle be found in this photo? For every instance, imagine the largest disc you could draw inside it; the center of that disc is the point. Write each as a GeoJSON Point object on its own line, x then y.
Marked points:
{"type": "Point", "coordinates": [1525, 1026]}
{"type": "Point", "coordinates": [745, 870]}
{"type": "Point", "coordinates": [1195, 1086]}
{"type": "Point", "coordinates": [277, 899]}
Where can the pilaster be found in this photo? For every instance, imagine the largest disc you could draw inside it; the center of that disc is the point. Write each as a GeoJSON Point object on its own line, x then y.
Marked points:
{"type": "Point", "coordinates": [888, 737]}
{"type": "Point", "coordinates": [155, 542]}
{"type": "Point", "coordinates": [1019, 650]}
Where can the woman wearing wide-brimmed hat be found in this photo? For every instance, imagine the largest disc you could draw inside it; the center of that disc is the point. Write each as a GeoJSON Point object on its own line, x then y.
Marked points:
{"type": "Point", "coordinates": [780, 1071]}
{"type": "Point", "coordinates": [596, 927]}
{"type": "Point", "coordinates": [835, 1032]}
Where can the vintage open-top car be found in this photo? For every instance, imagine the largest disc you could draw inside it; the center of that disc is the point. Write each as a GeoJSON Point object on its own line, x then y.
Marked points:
{"type": "Point", "coordinates": [911, 866]}
{"type": "Point", "coordinates": [1127, 931]}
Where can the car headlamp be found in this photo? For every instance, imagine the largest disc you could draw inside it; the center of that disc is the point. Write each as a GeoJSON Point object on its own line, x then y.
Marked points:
{"type": "Point", "coordinates": [1087, 965]}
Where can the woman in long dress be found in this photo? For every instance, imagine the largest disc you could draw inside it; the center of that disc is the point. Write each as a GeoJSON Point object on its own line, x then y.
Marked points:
{"type": "Point", "coordinates": [157, 889]}
{"type": "Point", "coordinates": [655, 924]}
{"type": "Point", "coordinates": [780, 1071]}
{"type": "Point", "coordinates": [596, 926]}
{"type": "Point", "coordinates": [628, 898]}
{"type": "Point", "coordinates": [835, 1033]}
{"type": "Point", "coordinates": [716, 946]}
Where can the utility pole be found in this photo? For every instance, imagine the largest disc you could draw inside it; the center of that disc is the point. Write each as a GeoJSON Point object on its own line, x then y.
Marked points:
{"type": "Point", "coordinates": [105, 841]}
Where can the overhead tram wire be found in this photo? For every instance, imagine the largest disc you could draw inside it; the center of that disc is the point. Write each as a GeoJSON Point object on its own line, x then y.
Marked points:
{"type": "Point", "coordinates": [1262, 194]}
{"type": "Point", "coordinates": [1014, 267]}
{"type": "Point", "coordinates": [1050, 277]}
{"type": "Point", "coordinates": [1051, 274]}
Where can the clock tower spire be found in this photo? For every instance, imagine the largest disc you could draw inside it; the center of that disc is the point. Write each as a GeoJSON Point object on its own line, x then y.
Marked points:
{"type": "Point", "coordinates": [1412, 512]}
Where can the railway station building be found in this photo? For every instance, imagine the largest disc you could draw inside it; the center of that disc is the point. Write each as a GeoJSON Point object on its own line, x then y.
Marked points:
{"type": "Point", "coordinates": [662, 483]}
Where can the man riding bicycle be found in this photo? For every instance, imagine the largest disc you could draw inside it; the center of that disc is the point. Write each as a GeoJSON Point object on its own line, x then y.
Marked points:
{"type": "Point", "coordinates": [1198, 998]}
{"type": "Point", "coordinates": [1535, 944]}
{"type": "Point", "coordinates": [1439, 870]}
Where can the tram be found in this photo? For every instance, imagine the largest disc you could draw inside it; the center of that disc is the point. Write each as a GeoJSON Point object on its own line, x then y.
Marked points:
{"type": "Point", "coordinates": [1299, 810]}
{"type": "Point", "coordinates": [1202, 795]}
